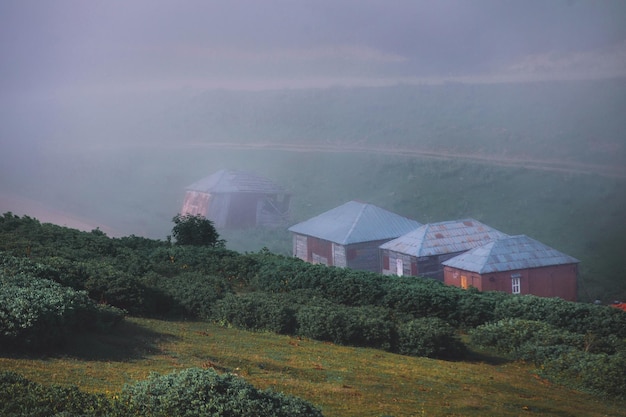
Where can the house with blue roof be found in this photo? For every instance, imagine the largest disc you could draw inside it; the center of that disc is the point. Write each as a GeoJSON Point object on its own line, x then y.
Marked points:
{"type": "Point", "coordinates": [348, 235]}
{"type": "Point", "coordinates": [422, 251]}
{"type": "Point", "coordinates": [516, 265]}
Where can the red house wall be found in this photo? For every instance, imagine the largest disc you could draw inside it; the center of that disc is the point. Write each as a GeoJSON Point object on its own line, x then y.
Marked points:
{"type": "Point", "coordinates": [551, 281]}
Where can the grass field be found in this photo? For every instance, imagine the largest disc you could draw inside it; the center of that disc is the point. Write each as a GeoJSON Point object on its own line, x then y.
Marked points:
{"type": "Point", "coordinates": [343, 381]}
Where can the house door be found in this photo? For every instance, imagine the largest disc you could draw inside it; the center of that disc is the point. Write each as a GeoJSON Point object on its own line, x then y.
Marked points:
{"type": "Point", "coordinates": [399, 267]}
{"type": "Point", "coordinates": [463, 282]}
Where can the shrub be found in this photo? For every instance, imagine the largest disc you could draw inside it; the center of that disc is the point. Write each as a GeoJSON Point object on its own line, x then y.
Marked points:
{"type": "Point", "coordinates": [192, 294]}
{"type": "Point", "coordinates": [256, 311]}
{"type": "Point", "coordinates": [575, 317]}
{"type": "Point", "coordinates": [598, 373]}
{"type": "Point", "coordinates": [526, 339]}
{"type": "Point", "coordinates": [24, 398]}
{"type": "Point", "coordinates": [198, 392]}
{"type": "Point", "coordinates": [37, 313]}
{"type": "Point", "coordinates": [430, 337]}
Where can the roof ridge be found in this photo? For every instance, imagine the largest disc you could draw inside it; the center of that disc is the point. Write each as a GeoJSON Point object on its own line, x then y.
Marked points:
{"type": "Point", "coordinates": [356, 220]}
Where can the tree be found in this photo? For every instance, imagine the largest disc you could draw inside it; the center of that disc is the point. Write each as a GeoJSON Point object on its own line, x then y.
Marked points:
{"type": "Point", "coordinates": [195, 230]}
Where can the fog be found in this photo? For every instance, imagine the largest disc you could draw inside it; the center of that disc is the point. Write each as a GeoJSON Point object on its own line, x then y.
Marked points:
{"type": "Point", "coordinates": [87, 89]}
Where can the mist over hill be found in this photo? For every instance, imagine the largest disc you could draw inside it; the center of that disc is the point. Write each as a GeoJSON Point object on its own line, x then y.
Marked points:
{"type": "Point", "coordinates": [123, 161]}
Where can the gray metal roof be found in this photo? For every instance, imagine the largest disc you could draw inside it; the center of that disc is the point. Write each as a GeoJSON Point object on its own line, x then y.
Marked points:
{"type": "Point", "coordinates": [232, 181]}
{"type": "Point", "coordinates": [355, 222]}
{"type": "Point", "coordinates": [509, 254]}
{"type": "Point", "coordinates": [444, 237]}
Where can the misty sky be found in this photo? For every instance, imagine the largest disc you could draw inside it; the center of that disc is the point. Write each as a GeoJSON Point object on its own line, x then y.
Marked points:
{"type": "Point", "coordinates": [87, 47]}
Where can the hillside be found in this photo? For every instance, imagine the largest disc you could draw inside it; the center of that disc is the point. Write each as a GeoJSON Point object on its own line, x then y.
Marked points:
{"type": "Point", "coordinates": [98, 314]}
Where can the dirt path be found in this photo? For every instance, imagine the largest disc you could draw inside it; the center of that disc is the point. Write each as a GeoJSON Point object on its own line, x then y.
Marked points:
{"type": "Point", "coordinates": [528, 163]}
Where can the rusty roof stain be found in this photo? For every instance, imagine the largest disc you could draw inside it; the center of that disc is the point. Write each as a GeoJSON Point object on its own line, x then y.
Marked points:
{"type": "Point", "coordinates": [444, 237]}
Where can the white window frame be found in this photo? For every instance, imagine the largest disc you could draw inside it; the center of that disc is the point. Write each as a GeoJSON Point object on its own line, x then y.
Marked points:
{"type": "Point", "coordinates": [399, 267]}
{"type": "Point", "coordinates": [516, 284]}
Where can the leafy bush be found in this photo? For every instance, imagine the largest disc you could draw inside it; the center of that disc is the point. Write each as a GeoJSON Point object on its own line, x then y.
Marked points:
{"type": "Point", "coordinates": [198, 392]}
{"type": "Point", "coordinates": [24, 398]}
{"type": "Point", "coordinates": [256, 311]}
{"type": "Point", "coordinates": [430, 337]}
{"type": "Point", "coordinates": [526, 339]}
{"type": "Point", "coordinates": [356, 326]}
{"type": "Point", "coordinates": [191, 294]}
{"type": "Point", "coordinates": [598, 373]}
{"type": "Point", "coordinates": [576, 317]}
{"type": "Point", "coordinates": [37, 313]}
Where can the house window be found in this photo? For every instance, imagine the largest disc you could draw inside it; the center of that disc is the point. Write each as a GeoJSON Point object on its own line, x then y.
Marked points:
{"type": "Point", "coordinates": [516, 286]}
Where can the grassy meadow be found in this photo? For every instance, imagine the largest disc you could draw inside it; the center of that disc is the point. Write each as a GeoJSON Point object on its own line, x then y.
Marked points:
{"type": "Point", "coordinates": [342, 381]}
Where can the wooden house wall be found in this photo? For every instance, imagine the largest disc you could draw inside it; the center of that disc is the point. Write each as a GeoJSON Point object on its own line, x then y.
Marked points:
{"type": "Point", "coordinates": [424, 266]}
{"type": "Point", "coordinates": [392, 262]}
{"type": "Point", "coordinates": [364, 256]}
{"type": "Point", "coordinates": [551, 281]}
{"type": "Point", "coordinates": [361, 256]}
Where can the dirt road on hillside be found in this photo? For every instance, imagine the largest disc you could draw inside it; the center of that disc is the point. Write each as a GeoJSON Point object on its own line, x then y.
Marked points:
{"type": "Point", "coordinates": [528, 163]}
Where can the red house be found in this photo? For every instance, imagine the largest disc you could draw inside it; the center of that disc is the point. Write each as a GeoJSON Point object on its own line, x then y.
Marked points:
{"type": "Point", "coordinates": [516, 265]}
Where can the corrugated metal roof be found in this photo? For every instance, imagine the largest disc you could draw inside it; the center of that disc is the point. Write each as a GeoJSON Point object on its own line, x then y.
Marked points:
{"type": "Point", "coordinates": [232, 181]}
{"type": "Point", "coordinates": [509, 254]}
{"type": "Point", "coordinates": [444, 237]}
{"type": "Point", "coordinates": [355, 222]}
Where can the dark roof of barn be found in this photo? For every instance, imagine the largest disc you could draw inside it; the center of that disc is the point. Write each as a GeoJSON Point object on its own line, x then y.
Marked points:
{"type": "Point", "coordinates": [509, 254]}
{"type": "Point", "coordinates": [355, 222]}
{"type": "Point", "coordinates": [232, 181]}
{"type": "Point", "coordinates": [443, 237]}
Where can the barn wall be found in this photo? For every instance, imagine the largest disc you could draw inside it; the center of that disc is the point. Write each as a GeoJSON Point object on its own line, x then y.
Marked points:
{"type": "Point", "coordinates": [551, 281]}
{"type": "Point", "coordinates": [218, 207]}
{"type": "Point", "coordinates": [195, 203]}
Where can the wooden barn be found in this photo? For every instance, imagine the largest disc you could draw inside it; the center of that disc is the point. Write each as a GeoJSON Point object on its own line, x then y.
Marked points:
{"type": "Point", "coordinates": [422, 251]}
{"type": "Point", "coordinates": [348, 235]}
{"type": "Point", "coordinates": [237, 200]}
{"type": "Point", "coordinates": [516, 265]}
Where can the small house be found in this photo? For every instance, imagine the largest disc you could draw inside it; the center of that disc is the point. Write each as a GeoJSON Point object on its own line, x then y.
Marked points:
{"type": "Point", "coordinates": [516, 265]}
{"type": "Point", "coordinates": [348, 235]}
{"type": "Point", "coordinates": [422, 251]}
{"type": "Point", "coordinates": [237, 200]}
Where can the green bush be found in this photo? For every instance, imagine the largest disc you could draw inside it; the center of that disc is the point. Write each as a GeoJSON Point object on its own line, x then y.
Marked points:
{"type": "Point", "coordinates": [191, 294]}
{"type": "Point", "coordinates": [581, 318]}
{"type": "Point", "coordinates": [197, 392]}
{"type": "Point", "coordinates": [256, 311]}
{"type": "Point", "coordinates": [24, 398]}
{"type": "Point", "coordinates": [526, 339]}
{"type": "Point", "coordinates": [430, 337]}
{"type": "Point", "coordinates": [37, 313]}
{"type": "Point", "coordinates": [598, 373]}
